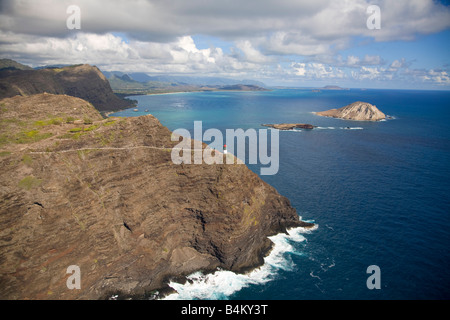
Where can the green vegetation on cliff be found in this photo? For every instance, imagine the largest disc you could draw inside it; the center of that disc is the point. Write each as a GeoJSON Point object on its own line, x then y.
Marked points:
{"type": "Point", "coordinates": [112, 202]}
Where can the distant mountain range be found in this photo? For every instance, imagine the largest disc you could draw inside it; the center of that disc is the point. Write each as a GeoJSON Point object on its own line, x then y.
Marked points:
{"type": "Point", "coordinates": [182, 80]}
{"type": "Point", "coordinates": [105, 90]}
{"type": "Point", "coordinates": [142, 83]}
{"type": "Point", "coordinates": [331, 87]}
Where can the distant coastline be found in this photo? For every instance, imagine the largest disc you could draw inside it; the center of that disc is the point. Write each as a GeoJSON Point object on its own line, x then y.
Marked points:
{"type": "Point", "coordinates": [130, 94]}
{"type": "Point", "coordinates": [231, 88]}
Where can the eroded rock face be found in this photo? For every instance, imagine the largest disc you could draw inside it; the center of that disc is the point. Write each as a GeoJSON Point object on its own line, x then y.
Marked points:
{"type": "Point", "coordinates": [82, 81]}
{"type": "Point", "coordinates": [105, 196]}
{"type": "Point", "coordinates": [361, 111]}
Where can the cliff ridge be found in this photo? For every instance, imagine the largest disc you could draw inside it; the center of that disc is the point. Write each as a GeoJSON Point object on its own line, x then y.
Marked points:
{"type": "Point", "coordinates": [82, 81]}
{"type": "Point", "coordinates": [103, 194]}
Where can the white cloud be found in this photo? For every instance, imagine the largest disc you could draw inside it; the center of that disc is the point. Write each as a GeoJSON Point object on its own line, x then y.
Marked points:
{"type": "Point", "coordinates": [316, 71]}
{"type": "Point", "coordinates": [111, 52]}
{"type": "Point", "coordinates": [289, 26]}
{"type": "Point", "coordinates": [352, 60]}
{"type": "Point", "coordinates": [299, 69]}
{"type": "Point", "coordinates": [441, 77]}
{"type": "Point", "coordinates": [81, 48]}
{"type": "Point", "coordinates": [251, 54]}
{"type": "Point", "coordinates": [405, 19]}
{"type": "Point", "coordinates": [398, 64]}
{"type": "Point", "coordinates": [266, 37]}
{"type": "Point", "coordinates": [368, 73]}
{"type": "Point", "coordinates": [288, 43]}
{"type": "Point", "coordinates": [372, 60]}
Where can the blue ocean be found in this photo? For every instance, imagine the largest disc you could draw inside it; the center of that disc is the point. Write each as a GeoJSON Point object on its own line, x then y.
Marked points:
{"type": "Point", "coordinates": [379, 192]}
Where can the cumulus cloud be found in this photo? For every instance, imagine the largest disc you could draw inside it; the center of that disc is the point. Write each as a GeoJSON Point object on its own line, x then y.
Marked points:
{"type": "Point", "coordinates": [438, 76]}
{"type": "Point", "coordinates": [111, 52]}
{"type": "Point", "coordinates": [251, 53]}
{"type": "Point", "coordinates": [291, 21]}
{"type": "Point", "coordinates": [283, 38]}
{"type": "Point", "coordinates": [399, 63]}
{"type": "Point", "coordinates": [82, 47]}
{"type": "Point", "coordinates": [353, 61]}
{"type": "Point", "coordinates": [316, 71]}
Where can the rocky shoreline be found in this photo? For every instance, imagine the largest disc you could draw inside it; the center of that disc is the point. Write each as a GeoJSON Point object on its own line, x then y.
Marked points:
{"type": "Point", "coordinates": [104, 195]}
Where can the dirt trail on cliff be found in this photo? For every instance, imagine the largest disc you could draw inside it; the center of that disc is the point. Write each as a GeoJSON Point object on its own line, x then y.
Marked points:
{"type": "Point", "coordinates": [104, 195]}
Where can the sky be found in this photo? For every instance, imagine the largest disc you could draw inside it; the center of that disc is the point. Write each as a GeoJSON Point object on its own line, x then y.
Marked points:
{"type": "Point", "coordinates": [403, 44]}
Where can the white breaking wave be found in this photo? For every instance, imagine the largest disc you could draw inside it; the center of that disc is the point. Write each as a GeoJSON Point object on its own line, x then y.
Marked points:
{"type": "Point", "coordinates": [294, 130]}
{"type": "Point", "coordinates": [352, 128]}
{"type": "Point", "coordinates": [222, 283]}
{"type": "Point", "coordinates": [346, 128]}
{"type": "Point", "coordinates": [326, 128]}
{"type": "Point", "coordinates": [388, 117]}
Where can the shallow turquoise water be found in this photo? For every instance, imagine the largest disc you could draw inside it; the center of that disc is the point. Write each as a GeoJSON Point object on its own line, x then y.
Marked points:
{"type": "Point", "coordinates": [379, 193]}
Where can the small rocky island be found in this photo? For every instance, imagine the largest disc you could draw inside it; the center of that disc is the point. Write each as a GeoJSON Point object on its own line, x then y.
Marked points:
{"type": "Point", "coordinates": [290, 126]}
{"type": "Point", "coordinates": [361, 111]}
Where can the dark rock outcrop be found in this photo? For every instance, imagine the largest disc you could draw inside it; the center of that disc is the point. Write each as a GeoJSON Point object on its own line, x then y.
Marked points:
{"type": "Point", "coordinates": [290, 126]}
{"type": "Point", "coordinates": [105, 196]}
{"type": "Point", "coordinates": [82, 81]}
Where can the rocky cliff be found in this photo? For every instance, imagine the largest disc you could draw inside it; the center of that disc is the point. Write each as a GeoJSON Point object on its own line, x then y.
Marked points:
{"type": "Point", "coordinates": [82, 81]}
{"type": "Point", "coordinates": [361, 111]}
{"type": "Point", "coordinates": [104, 195]}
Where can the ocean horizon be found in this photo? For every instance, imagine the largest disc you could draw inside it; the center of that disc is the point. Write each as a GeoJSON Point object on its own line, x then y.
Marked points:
{"type": "Point", "coordinates": [378, 194]}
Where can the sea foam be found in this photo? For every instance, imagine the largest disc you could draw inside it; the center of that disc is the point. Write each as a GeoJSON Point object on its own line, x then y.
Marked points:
{"type": "Point", "coordinates": [293, 130]}
{"type": "Point", "coordinates": [346, 128]}
{"type": "Point", "coordinates": [222, 283]}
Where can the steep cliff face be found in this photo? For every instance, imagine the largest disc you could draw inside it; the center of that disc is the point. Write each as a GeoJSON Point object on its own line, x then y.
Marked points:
{"type": "Point", "coordinates": [105, 196]}
{"type": "Point", "coordinates": [361, 111]}
{"type": "Point", "coordinates": [82, 81]}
